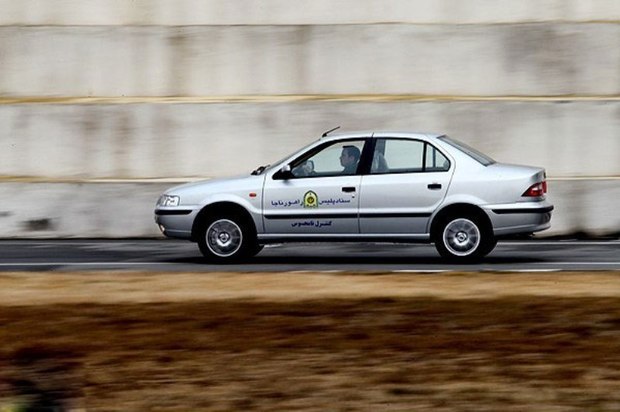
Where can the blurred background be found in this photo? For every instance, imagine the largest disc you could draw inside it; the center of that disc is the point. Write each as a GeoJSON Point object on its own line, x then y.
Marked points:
{"type": "Point", "coordinates": [106, 103]}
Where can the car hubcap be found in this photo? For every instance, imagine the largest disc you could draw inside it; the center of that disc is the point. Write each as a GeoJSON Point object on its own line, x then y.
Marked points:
{"type": "Point", "coordinates": [224, 237]}
{"type": "Point", "coordinates": [461, 237]}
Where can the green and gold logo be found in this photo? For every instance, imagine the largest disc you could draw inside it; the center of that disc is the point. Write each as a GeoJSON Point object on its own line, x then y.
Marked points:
{"type": "Point", "coordinates": [311, 199]}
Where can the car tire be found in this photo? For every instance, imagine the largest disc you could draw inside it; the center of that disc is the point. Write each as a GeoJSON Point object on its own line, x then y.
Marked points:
{"type": "Point", "coordinates": [227, 239]}
{"type": "Point", "coordinates": [257, 249]}
{"type": "Point", "coordinates": [463, 239]}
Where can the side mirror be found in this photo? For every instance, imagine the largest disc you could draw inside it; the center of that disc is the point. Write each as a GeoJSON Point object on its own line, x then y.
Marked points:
{"type": "Point", "coordinates": [284, 173]}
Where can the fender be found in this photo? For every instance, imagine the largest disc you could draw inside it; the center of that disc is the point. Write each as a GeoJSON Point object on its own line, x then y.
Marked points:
{"type": "Point", "coordinates": [253, 207]}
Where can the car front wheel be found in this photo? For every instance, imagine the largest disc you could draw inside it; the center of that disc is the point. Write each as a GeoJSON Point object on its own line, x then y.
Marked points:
{"type": "Point", "coordinates": [224, 239]}
{"type": "Point", "coordinates": [463, 239]}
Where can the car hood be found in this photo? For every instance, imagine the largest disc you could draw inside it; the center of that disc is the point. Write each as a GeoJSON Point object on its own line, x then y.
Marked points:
{"type": "Point", "coordinates": [195, 192]}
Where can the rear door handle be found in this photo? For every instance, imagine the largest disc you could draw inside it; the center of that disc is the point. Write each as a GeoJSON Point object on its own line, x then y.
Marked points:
{"type": "Point", "coordinates": [348, 189]}
{"type": "Point", "coordinates": [434, 186]}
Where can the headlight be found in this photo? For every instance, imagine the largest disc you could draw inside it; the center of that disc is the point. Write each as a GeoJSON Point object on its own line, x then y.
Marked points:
{"type": "Point", "coordinates": [166, 201]}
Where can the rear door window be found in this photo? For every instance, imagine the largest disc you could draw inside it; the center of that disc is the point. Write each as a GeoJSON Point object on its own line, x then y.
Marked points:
{"type": "Point", "coordinates": [407, 156]}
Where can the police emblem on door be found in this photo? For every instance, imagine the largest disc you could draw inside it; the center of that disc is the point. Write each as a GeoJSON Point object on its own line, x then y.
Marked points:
{"type": "Point", "coordinates": [311, 199]}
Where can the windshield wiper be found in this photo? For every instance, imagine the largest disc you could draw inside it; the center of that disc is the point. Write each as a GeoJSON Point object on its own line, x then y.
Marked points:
{"type": "Point", "coordinates": [259, 170]}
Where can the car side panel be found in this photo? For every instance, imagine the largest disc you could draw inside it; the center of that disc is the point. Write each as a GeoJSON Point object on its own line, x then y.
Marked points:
{"type": "Point", "coordinates": [319, 206]}
{"type": "Point", "coordinates": [401, 203]}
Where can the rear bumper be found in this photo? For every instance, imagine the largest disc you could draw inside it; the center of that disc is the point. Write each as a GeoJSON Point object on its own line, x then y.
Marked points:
{"type": "Point", "coordinates": [520, 218]}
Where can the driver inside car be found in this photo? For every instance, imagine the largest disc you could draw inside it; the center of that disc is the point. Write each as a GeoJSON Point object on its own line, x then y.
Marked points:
{"type": "Point", "coordinates": [348, 159]}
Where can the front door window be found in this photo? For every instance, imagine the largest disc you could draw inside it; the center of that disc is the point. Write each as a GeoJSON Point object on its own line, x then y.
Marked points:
{"type": "Point", "coordinates": [338, 159]}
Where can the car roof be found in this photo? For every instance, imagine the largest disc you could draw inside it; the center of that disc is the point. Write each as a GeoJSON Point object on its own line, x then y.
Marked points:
{"type": "Point", "coordinates": [380, 134]}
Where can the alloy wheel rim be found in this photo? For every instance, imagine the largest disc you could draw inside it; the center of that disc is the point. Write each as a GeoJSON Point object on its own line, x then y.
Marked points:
{"type": "Point", "coordinates": [461, 237]}
{"type": "Point", "coordinates": [224, 237]}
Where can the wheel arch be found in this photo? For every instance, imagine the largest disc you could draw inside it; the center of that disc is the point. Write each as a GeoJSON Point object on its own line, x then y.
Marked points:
{"type": "Point", "coordinates": [463, 210]}
{"type": "Point", "coordinates": [221, 208]}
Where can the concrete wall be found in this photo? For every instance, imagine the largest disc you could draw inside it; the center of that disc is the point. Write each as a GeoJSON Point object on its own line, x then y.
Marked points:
{"type": "Point", "coordinates": [51, 210]}
{"type": "Point", "coordinates": [94, 90]}
{"type": "Point", "coordinates": [470, 60]}
{"type": "Point", "coordinates": [300, 12]}
{"type": "Point", "coordinates": [145, 141]}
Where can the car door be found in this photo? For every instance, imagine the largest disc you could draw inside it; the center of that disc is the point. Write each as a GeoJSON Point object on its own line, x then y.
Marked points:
{"type": "Point", "coordinates": [319, 196]}
{"type": "Point", "coordinates": [407, 181]}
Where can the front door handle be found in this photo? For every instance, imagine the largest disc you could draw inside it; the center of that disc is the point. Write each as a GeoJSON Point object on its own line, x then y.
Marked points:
{"type": "Point", "coordinates": [434, 186]}
{"type": "Point", "coordinates": [348, 189]}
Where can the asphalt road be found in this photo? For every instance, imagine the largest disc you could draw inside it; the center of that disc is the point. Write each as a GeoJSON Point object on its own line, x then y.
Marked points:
{"type": "Point", "coordinates": [177, 256]}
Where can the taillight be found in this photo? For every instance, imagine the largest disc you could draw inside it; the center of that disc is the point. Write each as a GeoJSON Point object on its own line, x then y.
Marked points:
{"type": "Point", "coordinates": [536, 190]}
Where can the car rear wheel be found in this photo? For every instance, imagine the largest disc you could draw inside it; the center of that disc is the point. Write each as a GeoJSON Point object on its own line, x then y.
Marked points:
{"type": "Point", "coordinates": [224, 239]}
{"type": "Point", "coordinates": [463, 239]}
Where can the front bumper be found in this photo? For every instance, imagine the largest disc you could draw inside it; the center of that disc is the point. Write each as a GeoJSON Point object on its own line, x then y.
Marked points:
{"type": "Point", "coordinates": [175, 222]}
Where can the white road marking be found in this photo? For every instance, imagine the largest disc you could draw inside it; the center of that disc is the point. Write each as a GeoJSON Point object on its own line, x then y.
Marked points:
{"type": "Point", "coordinates": [85, 263]}
{"type": "Point", "coordinates": [170, 243]}
{"type": "Point", "coordinates": [421, 270]}
{"type": "Point", "coordinates": [578, 263]}
{"type": "Point", "coordinates": [144, 242]}
{"type": "Point", "coordinates": [527, 270]}
{"type": "Point", "coordinates": [561, 243]}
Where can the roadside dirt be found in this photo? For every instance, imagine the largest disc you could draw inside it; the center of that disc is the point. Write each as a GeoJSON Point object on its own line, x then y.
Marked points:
{"type": "Point", "coordinates": [310, 342]}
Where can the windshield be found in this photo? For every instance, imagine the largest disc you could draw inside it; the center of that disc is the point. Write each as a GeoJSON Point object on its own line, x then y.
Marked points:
{"type": "Point", "coordinates": [470, 151]}
{"type": "Point", "coordinates": [261, 169]}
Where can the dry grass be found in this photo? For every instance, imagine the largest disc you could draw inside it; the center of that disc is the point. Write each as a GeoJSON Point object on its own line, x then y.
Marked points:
{"type": "Point", "coordinates": [437, 352]}
{"type": "Point", "coordinates": [114, 287]}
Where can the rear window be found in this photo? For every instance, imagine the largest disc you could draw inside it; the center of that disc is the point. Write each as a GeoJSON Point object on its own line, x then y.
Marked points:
{"type": "Point", "coordinates": [469, 151]}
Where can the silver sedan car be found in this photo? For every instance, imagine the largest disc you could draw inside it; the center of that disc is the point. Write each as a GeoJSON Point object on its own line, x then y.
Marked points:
{"type": "Point", "coordinates": [363, 187]}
